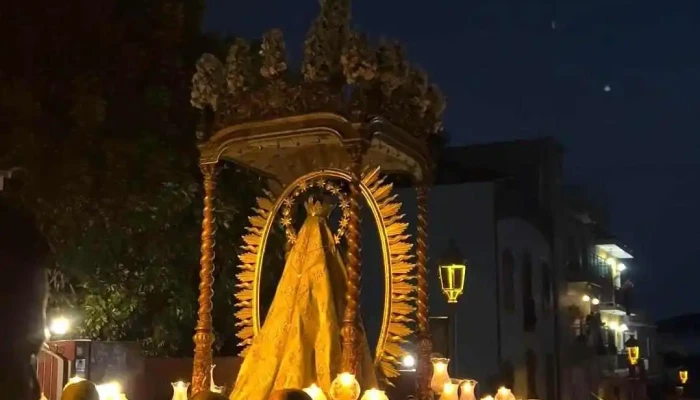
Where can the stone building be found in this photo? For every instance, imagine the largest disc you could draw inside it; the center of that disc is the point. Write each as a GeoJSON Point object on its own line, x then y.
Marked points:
{"type": "Point", "coordinates": [540, 264]}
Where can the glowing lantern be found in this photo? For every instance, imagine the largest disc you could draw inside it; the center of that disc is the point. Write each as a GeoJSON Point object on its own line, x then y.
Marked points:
{"type": "Point", "coordinates": [467, 388]}
{"type": "Point", "coordinates": [453, 271]}
{"type": "Point", "coordinates": [632, 346]}
{"type": "Point", "coordinates": [440, 375]}
{"type": "Point", "coordinates": [315, 392]}
{"type": "Point", "coordinates": [59, 326]}
{"type": "Point", "coordinates": [110, 391]}
{"type": "Point", "coordinates": [180, 390]}
{"type": "Point", "coordinates": [408, 361]}
{"type": "Point", "coordinates": [449, 391]}
{"type": "Point", "coordinates": [345, 387]}
{"type": "Point", "coordinates": [504, 393]}
{"type": "Point", "coordinates": [683, 375]}
{"type": "Point", "coordinates": [374, 394]}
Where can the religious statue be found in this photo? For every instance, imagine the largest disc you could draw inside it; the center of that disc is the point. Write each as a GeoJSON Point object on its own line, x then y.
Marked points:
{"type": "Point", "coordinates": [299, 343]}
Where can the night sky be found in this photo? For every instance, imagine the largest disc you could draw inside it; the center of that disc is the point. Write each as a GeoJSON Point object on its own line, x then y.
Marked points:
{"type": "Point", "coordinates": [616, 82]}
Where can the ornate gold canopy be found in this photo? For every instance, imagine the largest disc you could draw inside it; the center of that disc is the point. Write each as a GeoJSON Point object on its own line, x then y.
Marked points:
{"type": "Point", "coordinates": [351, 107]}
{"type": "Point", "coordinates": [288, 147]}
{"type": "Point", "coordinates": [264, 116]}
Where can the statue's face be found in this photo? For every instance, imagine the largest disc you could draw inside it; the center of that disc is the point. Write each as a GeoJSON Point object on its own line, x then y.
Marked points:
{"type": "Point", "coordinates": [26, 334]}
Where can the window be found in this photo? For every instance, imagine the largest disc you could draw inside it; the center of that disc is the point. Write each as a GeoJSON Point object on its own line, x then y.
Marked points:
{"type": "Point", "coordinates": [546, 287]}
{"type": "Point", "coordinates": [508, 280]}
{"type": "Point", "coordinates": [531, 367]}
{"type": "Point", "coordinates": [529, 313]}
{"type": "Point", "coordinates": [598, 265]}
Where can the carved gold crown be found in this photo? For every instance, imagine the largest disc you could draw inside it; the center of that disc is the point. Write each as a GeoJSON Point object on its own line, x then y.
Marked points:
{"type": "Point", "coordinates": [317, 208]}
{"type": "Point", "coordinates": [341, 73]}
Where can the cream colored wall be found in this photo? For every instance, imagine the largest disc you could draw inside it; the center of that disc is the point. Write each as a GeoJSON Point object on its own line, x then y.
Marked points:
{"type": "Point", "coordinates": [520, 236]}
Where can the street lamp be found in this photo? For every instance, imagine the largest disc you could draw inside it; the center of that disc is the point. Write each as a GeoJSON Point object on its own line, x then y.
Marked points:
{"type": "Point", "coordinates": [683, 375]}
{"type": "Point", "coordinates": [453, 271]}
{"type": "Point", "coordinates": [632, 345]}
{"type": "Point", "coordinates": [59, 326]}
{"type": "Point", "coordinates": [408, 361]}
{"type": "Point", "coordinates": [452, 268]}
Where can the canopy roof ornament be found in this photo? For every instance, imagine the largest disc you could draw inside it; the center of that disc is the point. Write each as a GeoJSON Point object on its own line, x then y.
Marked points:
{"type": "Point", "coordinates": [283, 123]}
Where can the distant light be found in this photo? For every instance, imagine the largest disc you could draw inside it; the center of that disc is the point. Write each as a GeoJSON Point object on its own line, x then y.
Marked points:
{"type": "Point", "coordinates": [623, 328]}
{"type": "Point", "coordinates": [595, 302]}
{"type": "Point", "coordinates": [110, 390]}
{"type": "Point", "coordinates": [408, 361]}
{"type": "Point", "coordinates": [613, 325]}
{"type": "Point", "coordinates": [621, 267]}
{"type": "Point", "coordinates": [586, 298]}
{"type": "Point", "coordinates": [607, 88]}
{"type": "Point", "coordinates": [610, 261]}
{"type": "Point", "coordinates": [59, 326]}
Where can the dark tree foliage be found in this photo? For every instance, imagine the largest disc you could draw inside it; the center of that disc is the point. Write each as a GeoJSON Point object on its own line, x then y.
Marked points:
{"type": "Point", "coordinates": [95, 118]}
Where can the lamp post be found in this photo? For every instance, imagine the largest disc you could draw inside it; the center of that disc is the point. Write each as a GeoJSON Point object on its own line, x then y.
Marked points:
{"type": "Point", "coordinates": [683, 375]}
{"type": "Point", "coordinates": [683, 378]}
{"type": "Point", "coordinates": [452, 270]}
{"type": "Point", "coordinates": [632, 346]}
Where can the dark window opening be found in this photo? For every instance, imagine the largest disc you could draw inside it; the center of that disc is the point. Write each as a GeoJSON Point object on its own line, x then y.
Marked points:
{"type": "Point", "coordinates": [546, 287]}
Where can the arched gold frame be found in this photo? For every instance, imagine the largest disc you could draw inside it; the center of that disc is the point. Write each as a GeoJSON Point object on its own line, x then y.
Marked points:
{"type": "Point", "coordinates": [396, 255]}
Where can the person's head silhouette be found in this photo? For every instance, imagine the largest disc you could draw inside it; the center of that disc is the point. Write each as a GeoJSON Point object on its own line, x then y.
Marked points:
{"type": "Point", "coordinates": [80, 390]}
{"type": "Point", "coordinates": [22, 302]}
{"type": "Point", "coordinates": [289, 394]}
{"type": "Point", "coordinates": [207, 395]}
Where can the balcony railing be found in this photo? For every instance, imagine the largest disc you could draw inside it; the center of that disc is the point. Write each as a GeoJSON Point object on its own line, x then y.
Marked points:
{"type": "Point", "coordinates": [599, 267]}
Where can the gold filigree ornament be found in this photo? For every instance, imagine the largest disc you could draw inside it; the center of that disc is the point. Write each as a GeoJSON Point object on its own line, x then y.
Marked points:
{"type": "Point", "coordinates": [341, 70]}
{"type": "Point", "coordinates": [287, 219]}
{"type": "Point", "coordinates": [397, 255]}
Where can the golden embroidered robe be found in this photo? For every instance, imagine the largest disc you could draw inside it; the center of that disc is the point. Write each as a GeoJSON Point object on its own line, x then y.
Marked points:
{"type": "Point", "coordinates": [299, 343]}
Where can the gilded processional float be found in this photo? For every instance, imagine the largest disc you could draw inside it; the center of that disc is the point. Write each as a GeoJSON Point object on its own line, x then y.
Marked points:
{"type": "Point", "coordinates": [352, 110]}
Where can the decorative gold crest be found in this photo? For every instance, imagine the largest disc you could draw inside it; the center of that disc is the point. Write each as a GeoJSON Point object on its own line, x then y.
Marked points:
{"type": "Point", "coordinates": [341, 73]}
{"type": "Point", "coordinates": [397, 254]}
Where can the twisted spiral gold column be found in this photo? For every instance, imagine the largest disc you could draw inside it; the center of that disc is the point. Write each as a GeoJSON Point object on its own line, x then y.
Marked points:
{"type": "Point", "coordinates": [350, 356]}
{"type": "Point", "coordinates": [425, 345]}
{"type": "Point", "coordinates": [204, 337]}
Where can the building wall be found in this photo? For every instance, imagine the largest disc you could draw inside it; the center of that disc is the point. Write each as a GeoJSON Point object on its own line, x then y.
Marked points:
{"type": "Point", "coordinates": [520, 238]}
{"type": "Point", "coordinates": [465, 213]}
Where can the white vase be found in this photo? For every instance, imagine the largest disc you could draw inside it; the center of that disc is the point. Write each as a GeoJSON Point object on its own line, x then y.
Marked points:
{"type": "Point", "coordinates": [467, 389]}
{"type": "Point", "coordinates": [440, 375]}
{"type": "Point", "coordinates": [180, 390]}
